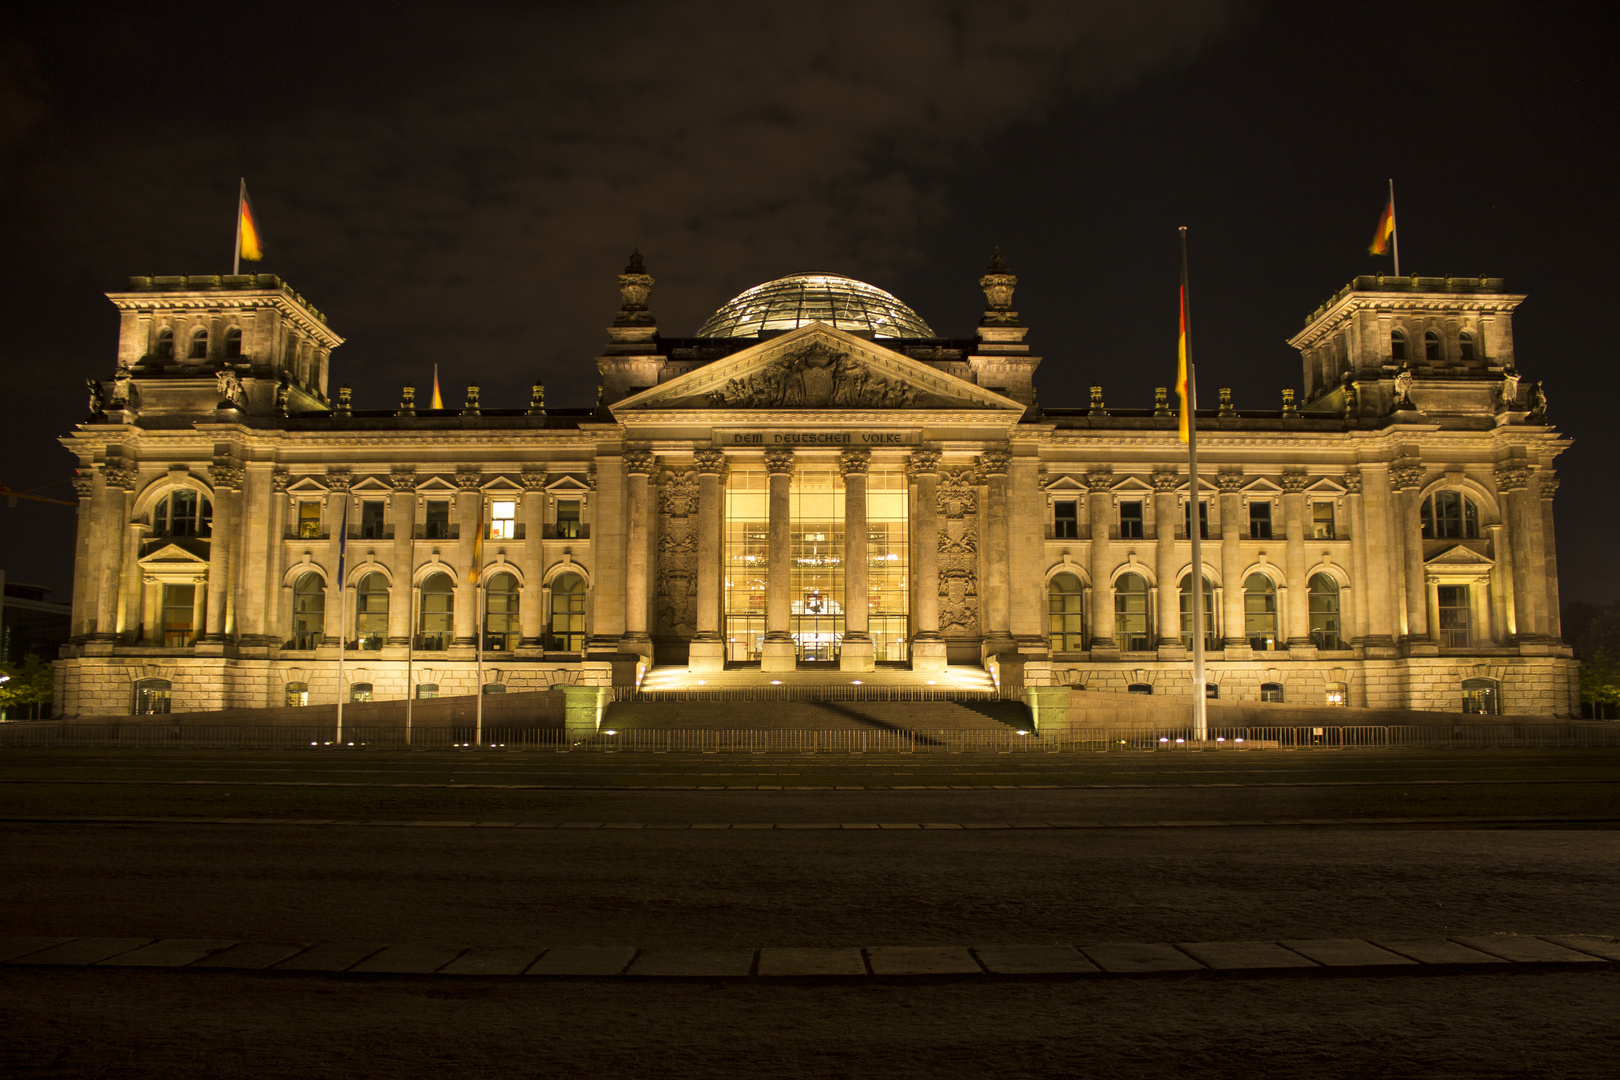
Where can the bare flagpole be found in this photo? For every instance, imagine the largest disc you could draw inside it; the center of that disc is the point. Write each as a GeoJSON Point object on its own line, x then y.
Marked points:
{"type": "Point", "coordinates": [410, 663]}
{"type": "Point", "coordinates": [236, 256]}
{"type": "Point", "coordinates": [343, 610]}
{"type": "Point", "coordinates": [1395, 232]}
{"type": "Point", "coordinates": [1195, 516]}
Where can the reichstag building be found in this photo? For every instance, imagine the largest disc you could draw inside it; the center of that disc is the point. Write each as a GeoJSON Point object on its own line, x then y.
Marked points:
{"type": "Point", "coordinates": [815, 480]}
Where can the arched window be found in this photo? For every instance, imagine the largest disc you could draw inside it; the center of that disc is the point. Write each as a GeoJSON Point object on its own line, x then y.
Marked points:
{"type": "Point", "coordinates": [183, 513]}
{"type": "Point", "coordinates": [199, 345]}
{"type": "Point", "coordinates": [309, 611]}
{"type": "Point", "coordinates": [1397, 344]}
{"type": "Point", "coordinates": [1431, 345]}
{"type": "Point", "coordinates": [1260, 612]}
{"type": "Point", "coordinates": [1131, 612]}
{"type": "Point", "coordinates": [233, 343]}
{"type": "Point", "coordinates": [1465, 347]}
{"type": "Point", "coordinates": [163, 348]}
{"type": "Point", "coordinates": [1324, 606]}
{"type": "Point", "coordinates": [567, 631]}
{"type": "Point", "coordinates": [360, 691]}
{"type": "Point", "coordinates": [438, 613]}
{"type": "Point", "coordinates": [371, 611]}
{"type": "Point", "coordinates": [1338, 693]}
{"type": "Point", "coordinates": [1449, 515]}
{"type": "Point", "coordinates": [152, 697]}
{"type": "Point", "coordinates": [1481, 696]}
{"type": "Point", "coordinates": [427, 690]}
{"type": "Point", "coordinates": [1187, 612]}
{"type": "Point", "coordinates": [1065, 606]}
{"type": "Point", "coordinates": [297, 693]}
{"type": "Point", "coordinates": [501, 631]}
{"type": "Point", "coordinates": [1139, 688]}
{"type": "Point", "coordinates": [1271, 691]}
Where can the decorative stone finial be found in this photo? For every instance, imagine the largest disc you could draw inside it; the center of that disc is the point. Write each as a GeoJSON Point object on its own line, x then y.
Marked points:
{"type": "Point", "coordinates": [537, 399]}
{"type": "Point", "coordinates": [1226, 402]}
{"type": "Point", "coordinates": [1161, 401]}
{"type": "Point", "coordinates": [1097, 406]}
{"type": "Point", "coordinates": [345, 400]}
{"type": "Point", "coordinates": [471, 407]}
{"type": "Point", "coordinates": [635, 285]}
{"type": "Point", "coordinates": [998, 283]}
{"type": "Point", "coordinates": [407, 400]}
{"type": "Point", "coordinates": [1289, 410]}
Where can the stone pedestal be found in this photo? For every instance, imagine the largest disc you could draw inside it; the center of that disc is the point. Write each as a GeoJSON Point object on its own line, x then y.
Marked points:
{"type": "Point", "coordinates": [705, 655]}
{"type": "Point", "coordinates": [778, 655]}
{"type": "Point", "coordinates": [857, 654]}
{"type": "Point", "coordinates": [582, 710]}
{"type": "Point", "coordinates": [928, 654]}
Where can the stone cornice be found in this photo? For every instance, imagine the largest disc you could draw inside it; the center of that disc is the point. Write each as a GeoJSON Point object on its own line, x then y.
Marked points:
{"type": "Point", "coordinates": [292, 306]}
{"type": "Point", "coordinates": [1422, 302]}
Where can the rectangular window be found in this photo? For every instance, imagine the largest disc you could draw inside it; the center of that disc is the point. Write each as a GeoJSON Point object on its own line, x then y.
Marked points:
{"type": "Point", "coordinates": [1322, 525]}
{"type": "Point", "coordinates": [1066, 519]}
{"type": "Point", "coordinates": [309, 520]}
{"type": "Point", "coordinates": [1203, 519]}
{"type": "Point", "coordinates": [178, 601]}
{"type": "Point", "coordinates": [567, 519]}
{"type": "Point", "coordinates": [1260, 520]}
{"type": "Point", "coordinates": [436, 521]}
{"type": "Point", "coordinates": [1454, 616]}
{"type": "Point", "coordinates": [503, 519]}
{"type": "Point", "coordinates": [371, 519]}
{"type": "Point", "coordinates": [1130, 520]}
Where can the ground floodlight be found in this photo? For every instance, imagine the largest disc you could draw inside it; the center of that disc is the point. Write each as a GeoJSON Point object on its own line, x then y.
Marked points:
{"type": "Point", "coordinates": [776, 682]}
{"type": "Point", "coordinates": [1164, 739]}
{"type": "Point", "coordinates": [610, 731]}
{"type": "Point", "coordinates": [1181, 740]}
{"type": "Point", "coordinates": [1023, 733]}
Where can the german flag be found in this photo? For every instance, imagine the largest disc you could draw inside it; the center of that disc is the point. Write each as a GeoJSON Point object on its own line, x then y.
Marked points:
{"type": "Point", "coordinates": [1386, 229]}
{"type": "Point", "coordinates": [1181, 369]}
{"type": "Point", "coordinates": [247, 231]}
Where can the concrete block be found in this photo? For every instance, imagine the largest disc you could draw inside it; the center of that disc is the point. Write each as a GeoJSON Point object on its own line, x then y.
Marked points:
{"type": "Point", "coordinates": [583, 960]}
{"type": "Point", "coordinates": [329, 958]}
{"type": "Point", "coordinates": [1607, 948]}
{"type": "Point", "coordinates": [788, 962]}
{"type": "Point", "coordinates": [1439, 952]}
{"type": "Point", "coordinates": [1348, 952]}
{"type": "Point", "coordinates": [1526, 950]}
{"type": "Point", "coordinates": [81, 951]}
{"type": "Point", "coordinates": [922, 960]}
{"type": "Point", "coordinates": [407, 960]}
{"type": "Point", "coordinates": [13, 947]}
{"type": "Point", "coordinates": [252, 955]}
{"type": "Point", "coordinates": [693, 963]}
{"type": "Point", "coordinates": [1140, 958]}
{"type": "Point", "coordinates": [1243, 955]}
{"type": "Point", "coordinates": [491, 962]}
{"type": "Point", "coordinates": [1033, 960]}
{"type": "Point", "coordinates": [168, 952]}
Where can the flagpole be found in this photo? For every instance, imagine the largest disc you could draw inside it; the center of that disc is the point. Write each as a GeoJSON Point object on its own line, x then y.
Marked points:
{"type": "Point", "coordinates": [478, 729]}
{"type": "Point", "coordinates": [343, 611]}
{"type": "Point", "coordinates": [1395, 231]}
{"type": "Point", "coordinates": [410, 662]}
{"type": "Point", "coordinates": [1195, 517]}
{"type": "Point", "coordinates": [236, 256]}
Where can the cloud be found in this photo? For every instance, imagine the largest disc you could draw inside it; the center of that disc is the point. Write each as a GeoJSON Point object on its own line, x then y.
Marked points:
{"type": "Point", "coordinates": [461, 188]}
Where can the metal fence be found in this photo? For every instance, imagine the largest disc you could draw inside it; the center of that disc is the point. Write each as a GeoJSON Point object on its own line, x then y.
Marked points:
{"type": "Point", "coordinates": [849, 741]}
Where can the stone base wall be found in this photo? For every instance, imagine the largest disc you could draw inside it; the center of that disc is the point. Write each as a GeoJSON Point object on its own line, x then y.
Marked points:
{"type": "Point", "coordinates": [1529, 685]}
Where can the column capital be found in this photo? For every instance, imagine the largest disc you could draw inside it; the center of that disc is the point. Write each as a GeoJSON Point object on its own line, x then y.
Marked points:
{"type": "Point", "coordinates": [227, 476]}
{"type": "Point", "coordinates": [339, 479]}
{"type": "Point", "coordinates": [1230, 481]}
{"type": "Point", "coordinates": [1166, 480]}
{"type": "Point", "coordinates": [639, 461]}
{"type": "Point", "coordinates": [995, 462]}
{"type": "Point", "coordinates": [1510, 478]}
{"type": "Point", "coordinates": [84, 484]}
{"type": "Point", "coordinates": [1549, 485]}
{"type": "Point", "coordinates": [532, 480]}
{"type": "Point", "coordinates": [1293, 483]}
{"type": "Point", "coordinates": [1100, 481]}
{"type": "Point", "coordinates": [118, 477]}
{"type": "Point", "coordinates": [403, 479]}
{"type": "Point", "coordinates": [854, 461]}
{"type": "Point", "coordinates": [469, 477]}
{"type": "Point", "coordinates": [1406, 474]}
{"type": "Point", "coordinates": [779, 461]}
{"type": "Point", "coordinates": [709, 462]}
{"type": "Point", "coordinates": [920, 462]}
{"type": "Point", "coordinates": [1352, 481]}
{"type": "Point", "coordinates": [280, 478]}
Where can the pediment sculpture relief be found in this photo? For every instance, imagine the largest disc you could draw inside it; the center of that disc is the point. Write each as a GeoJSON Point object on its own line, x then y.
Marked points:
{"type": "Point", "coordinates": [814, 376]}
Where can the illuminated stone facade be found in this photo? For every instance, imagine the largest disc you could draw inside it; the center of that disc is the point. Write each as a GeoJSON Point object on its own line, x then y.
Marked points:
{"type": "Point", "coordinates": [802, 487]}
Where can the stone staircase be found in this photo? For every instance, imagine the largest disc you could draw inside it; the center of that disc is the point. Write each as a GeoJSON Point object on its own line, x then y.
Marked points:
{"type": "Point", "coordinates": [912, 716]}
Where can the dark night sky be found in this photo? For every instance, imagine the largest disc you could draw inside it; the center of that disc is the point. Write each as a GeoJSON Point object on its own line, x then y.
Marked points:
{"type": "Point", "coordinates": [460, 184]}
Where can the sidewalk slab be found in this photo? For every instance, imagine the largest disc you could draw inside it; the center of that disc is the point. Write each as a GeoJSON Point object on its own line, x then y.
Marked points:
{"type": "Point", "coordinates": [811, 962]}
{"type": "Point", "coordinates": [1243, 955]}
{"type": "Point", "coordinates": [1033, 960]}
{"type": "Point", "coordinates": [82, 951]}
{"type": "Point", "coordinates": [693, 963]}
{"type": "Point", "coordinates": [1587, 943]}
{"type": "Point", "coordinates": [922, 960]}
{"type": "Point", "coordinates": [252, 955]}
{"type": "Point", "coordinates": [169, 952]}
{"type": "Point", "coordinates": [329, 958]}
{"type": "Point", "coordinates": [1129, 958]}
{"type": "Point", "coordinates": [1439, 952]}
{"type": "Point", "coordinates": [13, 947]}
{"type": "Point", "coordinates": [1526, 950]}
{"type": "Point", "coordinates": [583, 960]}
{"type": "Point", "coordinates": [1348, 953]}
{"type": "Point", "coordinates": [491, 962]}
{"type": "Point", "coordinates": [407, 960]}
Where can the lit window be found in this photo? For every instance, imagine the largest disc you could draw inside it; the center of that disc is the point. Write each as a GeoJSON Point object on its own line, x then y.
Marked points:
{"type": "Point", "coordinates": [152, 697]}
{"type": "Point", "coordinates": [1260, 612]}
{"type": "Point", "coordinates": [1324, 608]}
{"type": "Point", "coordinates": [309, 519]}
{"type": "Point", "coordinates": [1454, 616]}
{"type": "Point", "coordinates": [1271, 691]}
{"type": "Point", "coordinates": [1322, 524]}
{"type": "Point", "coordinates": [501, 630]}
{"type": "Point", "coordinates": [309, 611]}
{"type": "Point", "coordinates": [568, 519]}
{"type": "Point", "coordinates": [1260, 519]}
{"type": "Point", "coordinates": [1131, 612]}
{"type": "Point", "coordinates": [427, 690]}
{"type": "Point", "coordinates": [297, 694]}
{"type": "Point", "coordinates": [1481, 696]}
{"type": "Point", "coordinates": [360, 691]}
{"type": "Point", "coordinates": [1066, 519]}
{"type": "Point", "coordinates": [179, 608]}
{"type": "Point", "coordinates": [1449, 515]}
{"type": "Point", "coordinates": [503, 519]}
{"type": "Point", "coordinates": [1064, 605]}
{"type": "Point", "coordinates": [1130, 519]}
{"type": "Point", "coordinates": [567, 632]}
{"type": "Point", "coordinates": [1187, 613]}
{"type": "Point", "coordinates": [1338, 693]}
{"type": "Point", "coordinates": [371, 612]}
{"type": "Point", "coordinates": [437, 613]}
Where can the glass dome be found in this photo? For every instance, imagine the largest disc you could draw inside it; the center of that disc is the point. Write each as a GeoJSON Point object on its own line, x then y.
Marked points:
{"type": "Point", "coordinates": [801, 299]}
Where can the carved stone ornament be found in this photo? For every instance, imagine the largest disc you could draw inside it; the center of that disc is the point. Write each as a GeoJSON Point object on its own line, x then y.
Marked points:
{"type": "Point", "coordinates": [957, 502]}
{"type": "Point", "coordinates": [1294, 482]}
{"type": "Point", "coordinates": [1229, 482]}
{"type": "Point", "coordinates": [779, 461]}
{"type": "Point", "coordinates": [121, 387]}
{"type": "Point", "coordinates": [1512, 477]}
{"type": "Point", "coordinates": [1406, 473]}
{"type": "Point", "coordinates": [117, 477]}
{"type": "Point", "coordinates": [402, 479]}
{"type": "Point", "coordinates": [1165, 481]}
{"type": "Point", "coordinates": [231, 394]}
{"type": "Point", "coordinates": [854, 461]}
{"type": "Point", "coordinates": [1099, 480]}
{"type": "Point", "coordinates": [283, 391]}
{"type": "Point", "coordinates": [227, 476]}
{"type": "Point", "coordinates": [998, 283]}
{"type": "Point", "coordinates": [532, 480]}
{"type": "Point", "coordinates": [279, 478]}
{"type": "Point", "coordinates": [84, 484]}
{"type": "Point", "coordinates": [639, 461]}
{"type": "Point", "coordinates": [922, 462]}
{"type": "Point", "coordinates": [709, 462]}
{"type": "Point", "coordinates": [468, 478]}
{"type": "Point", "coordinates": [1352, 481]}
{"type": "Point", "coordinates": [814, 376]}
{"type": "Point", "coordinates": [1549, 485]}
{"type": "Point", "coordinates": [97, 404]}
{"type": "Point", "coordinates": [995, 462]}
{"type": "Point", "coordinates": [676, 579]}
{"type": "Point", "coordinates": [1510, 389]}
{"type": "Point", "coordinates": [635, 284]}
{"type": "Point", "coordinates": [339, 479]}
{"type": "Point", "coordinates": [678, 495]}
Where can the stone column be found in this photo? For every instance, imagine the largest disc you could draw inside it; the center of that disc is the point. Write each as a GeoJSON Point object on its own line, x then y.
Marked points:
{"type": "Point", "coordinates": [1380, 558]}
{"type": "Point", "coordinates": [638, 467]}
{"type": "Point", "coordinates": [532, 613]}
{"type": "Point", "coordinates": [255, 542]}
{"type": "Point", "coordinates": [84, 598]}
{"type": "Point", "coordinates": [1499, 582]}
{"type": "Point", "coordinates": [227, 480]}
{"type": "Point", "coordinates": [608, 547]}
{"type": "Point", "coordinates": [1232, 531]}
{"type": "Point", "coordinates": [199, 594]}
{"type": "Point", "coordinates": [468, 501]}
{"type": "Point", "coordinates": [1406, 476]}
{"type": "Point", "coordinates": [107, 549]}
{"type": "Point", "coordinates": [779, 652]}
{"type": "Point", "coordinates": [707, 651]}
{"type": "Point", "coordinates": [129, 599]}
{"type": "Point", "coordinates": [927, 646]}
{"type": "Point", "coordinates": [1297, 611]}
{"type": "Point", "coordinates": [1523, 511]}
{"type": "Point", "coordinates": [402, 564]}
{"type": "Point", "coordinates": [277, 620]}
{"type": "Point", "coordinates": [997, 552]}
{"type": "Point", "coordinates": [337, 482]}
{"type": "Point", "coordinates": [1026, 548]}
{"type": "Point", "coordinates": [1549, 556]}
{"type": "Point", "coordinates": [1100, 516]}
{"type": "Point", "coordinates": [1164, 565]}
{"type": "Point", "coordinates": [1355, 628]}
{"type": "Point", "coordinates": [856, 651]}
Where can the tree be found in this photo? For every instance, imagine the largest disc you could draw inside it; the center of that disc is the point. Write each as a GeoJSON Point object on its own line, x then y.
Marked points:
{"type": "Point", "coordinates": [31, 686]}
{"type": "Point", "coordinates": [1598, 647]}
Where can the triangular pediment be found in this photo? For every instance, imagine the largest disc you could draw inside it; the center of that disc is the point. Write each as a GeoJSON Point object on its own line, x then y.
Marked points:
{"type": "Point", "coordinates": [1458, 557]}
{"type": "Point", "coordinates": [817, 367]}
{"type": "Point", "coordinates": [172, 557]}
{"type": "Point", "coordinates": [1066, 485]}
{"type": "Point", "coordinates": [502, 485]}
{"type": "Point", "coordinates": [567, 485]}
{"type": "Point", "coordinates": [307, 485]}
{"type": "Point", "coordinates": [436, 485]}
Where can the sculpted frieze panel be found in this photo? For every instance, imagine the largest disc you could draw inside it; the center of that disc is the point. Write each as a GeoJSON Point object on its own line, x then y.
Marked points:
{"type": "Point", "coordinates": [676, 577]}
{"type": "Point", "coordinates": [958, 507]}
{"type": "Point", "coordinates": [813, 376]}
